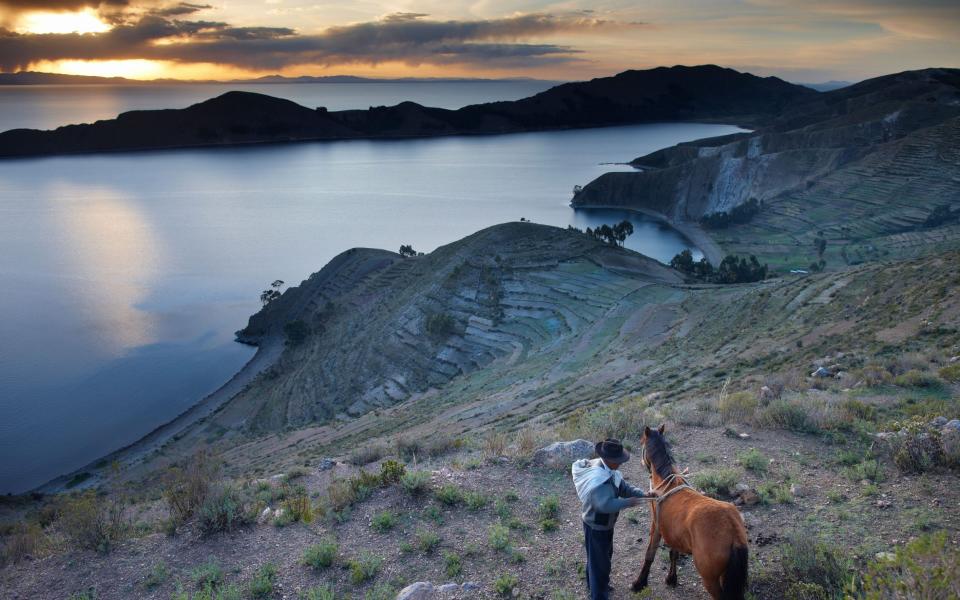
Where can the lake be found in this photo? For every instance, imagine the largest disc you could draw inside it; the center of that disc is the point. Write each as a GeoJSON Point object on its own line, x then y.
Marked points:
{"type": "Point", "coordinates": [127, 274]}
{"type": "Point", "coordinates": [50, 106]}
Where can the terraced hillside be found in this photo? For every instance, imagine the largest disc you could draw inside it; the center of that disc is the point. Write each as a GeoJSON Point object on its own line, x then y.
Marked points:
{"type": "Point", "coordinates": [865, 166]}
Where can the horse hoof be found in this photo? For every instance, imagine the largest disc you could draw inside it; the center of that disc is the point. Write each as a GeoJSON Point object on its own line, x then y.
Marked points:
{"type": "Point", "coordinates": [638, 586]}
{"type": "Point", "coordinates": [671, 581]}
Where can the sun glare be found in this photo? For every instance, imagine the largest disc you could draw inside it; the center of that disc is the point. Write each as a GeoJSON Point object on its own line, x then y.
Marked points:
{"type": "Point", "coordinates": [131, 69]}
{"type": "Point", "coordinates": [84, 21]}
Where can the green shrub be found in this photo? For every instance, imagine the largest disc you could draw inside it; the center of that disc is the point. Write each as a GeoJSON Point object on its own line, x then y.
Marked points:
{"type": "Point", "coordinates": [950, 373]}
{"type": "Point", "coordinates": [157, 576]}
{"type": "Point", "coordinates": [786, 414]}
{"type": "Point", "coordinates": [296, 506]}
{"type": "Point", "coordinates": [926, 568]}
{"type": "Point", "coordinates": [870, 469]}
{"type": "Point", "coordinates": [412, 448]}
{"type": "Point", "coordinates": [737, 407]}
{"type": "Point", "coordinates": [294, 474]}
{"type": "Point", "coordinates": [222, 510]}
{"type": "Point", "coordinates": [806, 559]}
{"type": "Point", "coordinates": [621, 420]}
{"type": "Point", "coordinates": [427, 541]}
{"type": "Point", "coordinates": [392, 471]}
{"type": "Point", "coordinates": [800, 590]}
{"type": "Point", "coordinates": [505, 583]}
{"type": "Point", "coordinates": [323, 592]}
{"type": "Point", "coordinates": [915, 378]}
{"type": "Point", "coordinates": [23, 540]}
{"type": "Point", "coordinates": [381, 591]}
{"type": "Point", "coordinates": [261, 584]}
{"type": "Point", "coordinates": [322, 555]}
{"type": "Point", "coordinates": [548, 525]}
{"type": "Point", "coordinates": [475, 500]}
{"type": "Point", "coordinates": [415, 482]}
{"type": "Point", "coordinates": [449, 494]}
{"type": "Point", "coordinates": [433, 513]}
{"type": "Point", "coordinates": [364, 568]}
{"type": "Point", "coordinates": [716, 482]}
{"type": "Point", "coordinates": [93, 523]}
{"type": "Point", "coordinates": [383, 522]}
{"type": "Point", "coordinates": [917, 454]}
{"type": "Point", "coordinates": [207, 575]}
{"type": "Point", "coordinates": [499, 537]}
{"type": "Point", "coordinates": [364, 455]}
{"type": "Point", "coordinates": [549, 507]}
{"type": "Point", "coordinates": [185, 487]}
{"type": "Point", "coordinates": [774, 493]}
{"type": "Point", "coordinates": [453, 564]}
{"type": "Point", "coordinates": [753, 460]}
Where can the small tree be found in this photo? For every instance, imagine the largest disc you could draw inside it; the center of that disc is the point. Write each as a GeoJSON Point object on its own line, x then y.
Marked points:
{"type": "Point", "coordinates": [406, 250]}
{"type": "Point", "coordinates": [296, 332]}
{"type": "Point", "coordinates": [272, 293]}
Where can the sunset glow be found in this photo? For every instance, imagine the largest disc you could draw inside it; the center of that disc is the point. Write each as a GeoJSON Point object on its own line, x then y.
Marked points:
{"type": "Point", "coordinates": [85, 21]}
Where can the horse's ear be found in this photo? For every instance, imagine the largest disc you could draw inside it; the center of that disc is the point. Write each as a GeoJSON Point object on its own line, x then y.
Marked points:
{"type": "Point", "coordinates": [660, 429]}
{"type": "Point", "coordinates": [646, 430]}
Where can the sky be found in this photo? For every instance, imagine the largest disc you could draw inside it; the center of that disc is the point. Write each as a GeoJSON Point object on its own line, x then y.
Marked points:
{"type": "Point", "coordinates": [798, 40]}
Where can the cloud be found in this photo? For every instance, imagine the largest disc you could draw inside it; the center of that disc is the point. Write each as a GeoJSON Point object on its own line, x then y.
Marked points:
{"type": "Point", "coordinates": [180, 9]}
{"type": "Point", "coordinates": [18, 6]}
{"type": "Point", "coordinates": [405, 37]}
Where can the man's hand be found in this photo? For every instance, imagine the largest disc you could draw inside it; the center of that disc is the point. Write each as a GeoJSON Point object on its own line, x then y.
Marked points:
{"type": "Point", "coordinates": [636, 501]}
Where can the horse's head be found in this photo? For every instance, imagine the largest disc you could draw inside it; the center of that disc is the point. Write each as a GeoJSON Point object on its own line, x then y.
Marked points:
{"type": "Point", "coordinates": [651, 444]}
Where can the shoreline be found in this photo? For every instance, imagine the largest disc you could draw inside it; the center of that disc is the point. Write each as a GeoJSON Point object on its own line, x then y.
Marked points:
{"type": "Point", "coordinates": [692, 231]}
{"type": "Point", "coordinates": [268, 351]}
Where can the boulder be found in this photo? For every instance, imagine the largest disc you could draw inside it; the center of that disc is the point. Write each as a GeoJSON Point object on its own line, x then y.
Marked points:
{"type": "Point", "coordinates": [326, 464]}
{"type": "Point", "coordinates": [939, 421]}
{"type": "Point", "coordinates": [448, 589]}
{"type": "Point", "coordinates": [822, 372]}
{"type": "Point", "coordinates": [797, 490]}
{"type": "Point", "coordinates": [421, 590]}
{"type": "Point", "coordinates": [560, 454]}
{"type": "Point", "coordinates": [953, 424]}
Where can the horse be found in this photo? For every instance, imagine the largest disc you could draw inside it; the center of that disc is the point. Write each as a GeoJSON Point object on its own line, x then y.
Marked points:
{"type": "Point", "coordinates": [691, 523]}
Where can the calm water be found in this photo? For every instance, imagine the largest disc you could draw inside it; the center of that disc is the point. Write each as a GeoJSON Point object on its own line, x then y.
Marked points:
{"type": "Point", "coordinates": [125, 275]}
{"type": "Point", "coordinates": [50, 106]}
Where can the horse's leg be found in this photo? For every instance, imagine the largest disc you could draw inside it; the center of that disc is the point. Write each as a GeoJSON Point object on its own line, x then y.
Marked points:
{"type": "Point", "coordinates": [641, 581]}
{"type": "Point", "coordinates": [710, 572]}
{"type": "Point", "coordinates": [672, 575]}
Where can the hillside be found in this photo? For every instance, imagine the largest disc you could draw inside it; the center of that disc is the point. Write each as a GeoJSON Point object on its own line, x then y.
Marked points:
{"type": "Point", "coordinates": [863, 167]}
{"type": "Point", "coordinates": [552, 336]}
{"type": "Point", "coordinates": [705, 93]}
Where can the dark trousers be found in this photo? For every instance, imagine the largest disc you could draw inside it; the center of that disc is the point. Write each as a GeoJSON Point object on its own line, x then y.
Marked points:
{"type": "Point", "coordinates": [599, 545]}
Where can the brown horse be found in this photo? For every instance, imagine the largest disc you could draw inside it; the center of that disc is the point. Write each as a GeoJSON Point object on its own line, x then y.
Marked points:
{"type": "Point", "coordinates": [691, 523]}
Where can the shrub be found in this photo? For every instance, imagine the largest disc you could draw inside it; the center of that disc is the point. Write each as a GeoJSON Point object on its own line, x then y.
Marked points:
{"type": "Point", "coordinates": [806, 559]}
{"type": "Point", "coordinates": [917, 453]}
{"type": "Point", "coordinates": [526, 442]}
{"type": "Point", "coordinates": [208, 575]}
{"type": "Point", "coordinates": [454, 566]}
{"type": "Point", "coordinates": [223, 510]}
{"type": "Point", "coordinates": [261, 584]}
{"type": "Point", "coordinates": [427, 541]}
{"type": "Point", "coordinates": [753, 460]}
{"type": "Point", "coordinates": [343, 493]}
{"type": "Point", "coordinates": [185, 488]}
{"type": "Point", "coordinates": [475, 500]}
{"type": "Point", "coordinates": [716, 482]}
{"type": "Point", "coordinates": [494, 446]}
{"type": "Point", "coordinates": [548, 525]}
{"type": "Point", "coordinates": [950, 373]}
{"type": "Point", "coordinates": [915, 378]}
{"type": "Point", "coordinates": [449, 494]}
{"type": "Point", "coordinates": [786, 414]}
{"type": "Point", "coordinates": [364, 568]}
{"type": "Point", "coordinates": [392, 471]}
{"type": "Point", "coordinates": [383, 522]}
{"type": "Point", "coordinates": [157, 576]}
{"type": "Point", "coordinates": [322, 555]}
{"type": "Point", "coordinates": [296, 505]}
{"type": "Point", "coordinates": [499, 537]}
{"type": "Point", "coordinates": [323, 592]}
{"type": "Point", "coordinates": [441, 325]}
{"type": "Point", "coordinates": [296, 332]}
{"type": "Point", "coordinates": [93, 523]}
{"type": "Point", "coordinates": [364, 455]}
{"type": "Point", "coordinates": [381, 591]}
{"type": "Point", "coordinates": [927, 567]}
{"type": "Point", "coordinates": [800, 590]}
{"type": "Point", "coordinates": [411, 448]}
{"type": "Point", "coordinates": [621, 420]}
{"type": "Point", "coordinates": [870, 469]}
{"type": "Point", "coordinates": [737, 407]}
{"type": "Point", "coordinates": [548, 510]}
{"type": "Point", "coordinates": [775, 493]}
{"type": "Point", "coordinates": [415, 482]}
{"type": "Point", "coordinates": [505, 583]}
{"type": "Point", "coordinates": [24, 540]}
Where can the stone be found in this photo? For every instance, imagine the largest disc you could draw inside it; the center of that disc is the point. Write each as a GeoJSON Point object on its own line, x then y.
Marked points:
{"type": "Point", "coordinates": [448, 589]}
{"type": "Point", "coordinates": [750, 520]}
{"type": "Point", "coordinates": [326, 464]}
{"type": "Point", "coordinates": [821, 372]}
{"type": "Point", "coordinates": [952, 424]}
{"type": "Point", "coordinates": [766, 394]}
{"type": "Point", "coordinates": [884, 504]}
{"type": "Point", "coordinates": [741, 488]}
{"type": "Point", "coordinates": [750, 497]}
{"type": "Point", "coordinates": [561, 454]}
{"type": "Point", "coordinates": [421, 590]}
{"type": "Point", "coordinates": [939, 421]}
{"type": "Point", "coordinates": [797, 490]}
{"type": "Point", "coordinates": [885, 555]}
{"type": "Point", "coordinates": [471, 586]}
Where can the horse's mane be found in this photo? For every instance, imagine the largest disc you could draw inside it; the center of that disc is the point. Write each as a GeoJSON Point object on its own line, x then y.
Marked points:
{"type": "Point", "coordinates": [658, 451]}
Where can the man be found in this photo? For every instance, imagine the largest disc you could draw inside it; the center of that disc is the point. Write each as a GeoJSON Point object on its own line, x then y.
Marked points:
{"type": "Point", "coordinates": [604, 493]}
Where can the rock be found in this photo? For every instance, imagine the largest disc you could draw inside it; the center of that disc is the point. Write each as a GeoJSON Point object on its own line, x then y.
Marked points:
{"type": "Point", "coordinates": [560, 454]}
{"type": "Point", "coordinates": [750, 497]}
{"type": "Point", "coordinates": [766, 394]}
{"type": "Point", "coordinates": [797, 490]}
{"type": "Point", "coordinates": [421, 590]}
{"type": "Point", "coordinates": [448, 589]}
{"type": "Point", "coordinates": [954, 359]}
{"type": "Point", "coordinates": [939, 421]}
{"type": "Point", "coordinates": [740, 488]}
{"type": "Point", "coordinates": [885, 556]}
{"type": "Point", "coordinates": [470, 586]}
{"type": "Point", "coordinates": [264, 516]}
{"type": "Point", "coordinates": [952, 424]}
{"type": "Point", "coordinates": [821, 372]}
{"type": "Point", "coordinates": [884, 504]}
{"type": "Point", "coordinates": [326, 464]}
{"type": "Point", "coordinates": [750, 520]}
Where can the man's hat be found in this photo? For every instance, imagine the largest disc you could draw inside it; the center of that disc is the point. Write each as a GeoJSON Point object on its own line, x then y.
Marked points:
{"type": "Point", "coordinates": [612, 450]}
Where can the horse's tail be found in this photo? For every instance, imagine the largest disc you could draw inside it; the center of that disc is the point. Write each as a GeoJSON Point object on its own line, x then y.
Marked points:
{"type": "Point", "coordinates": [735, 576]}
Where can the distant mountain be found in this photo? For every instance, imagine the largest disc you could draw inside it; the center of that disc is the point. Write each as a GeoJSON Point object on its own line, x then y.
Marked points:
{"type": "Point", "coordinates": [39, 78]}
{"type": "Point", "coordinates": [705, 93]}
{"type": "Point", "coordinates": [827, 86]}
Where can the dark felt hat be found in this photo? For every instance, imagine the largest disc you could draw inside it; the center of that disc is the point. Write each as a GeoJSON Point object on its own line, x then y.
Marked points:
{"type": "Point", "coordinates": [612, 450]}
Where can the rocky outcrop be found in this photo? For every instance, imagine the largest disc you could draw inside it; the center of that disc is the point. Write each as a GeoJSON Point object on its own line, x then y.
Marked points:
{"type": "Point", "coordinates": [560, 455]}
